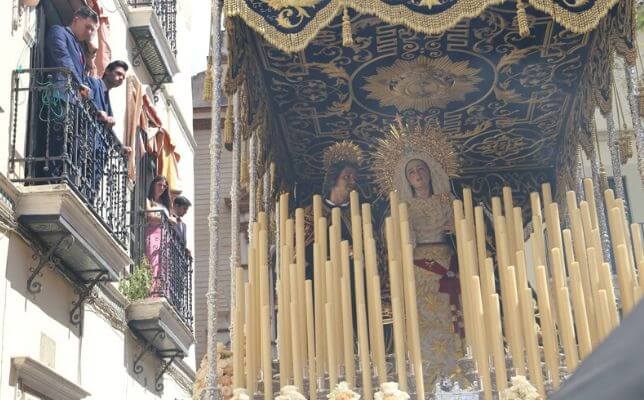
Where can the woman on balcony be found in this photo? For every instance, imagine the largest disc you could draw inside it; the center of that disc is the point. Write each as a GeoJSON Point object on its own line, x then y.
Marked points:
{"type": "Point", "coordinates": [157, 233]}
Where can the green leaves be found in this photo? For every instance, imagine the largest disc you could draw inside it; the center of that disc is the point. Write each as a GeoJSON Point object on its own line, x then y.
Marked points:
{"type": "Point", "coordinates": [137, 285]}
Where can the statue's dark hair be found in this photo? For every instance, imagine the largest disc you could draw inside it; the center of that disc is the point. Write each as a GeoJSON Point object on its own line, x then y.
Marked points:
{"type": "Point", "coordinates": [332, 175]}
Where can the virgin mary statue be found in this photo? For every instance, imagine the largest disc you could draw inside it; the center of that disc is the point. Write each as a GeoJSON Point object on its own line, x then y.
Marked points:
{"type": "Point", "coordinates": [417, 162]}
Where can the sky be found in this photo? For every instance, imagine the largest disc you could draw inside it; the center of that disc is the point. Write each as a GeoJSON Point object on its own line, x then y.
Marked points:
{"type": "Point", "coordinates": [200, 27]}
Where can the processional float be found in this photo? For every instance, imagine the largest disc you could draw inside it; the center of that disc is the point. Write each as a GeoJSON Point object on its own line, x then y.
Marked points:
{"type": "Point", "coordinates": [532, 310]}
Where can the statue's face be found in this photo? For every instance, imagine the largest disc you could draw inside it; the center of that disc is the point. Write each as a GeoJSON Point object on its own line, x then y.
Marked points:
{"type": "Point", "coordinates": [418, 175]}
{"type": "Point", "coordinates": [347, 179]}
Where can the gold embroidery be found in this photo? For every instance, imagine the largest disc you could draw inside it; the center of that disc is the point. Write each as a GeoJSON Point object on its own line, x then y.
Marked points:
{"type": "Point", "coordinates": [422, 83]}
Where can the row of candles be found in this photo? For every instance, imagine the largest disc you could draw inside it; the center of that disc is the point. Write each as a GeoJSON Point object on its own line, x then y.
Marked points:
{"type": "Point", "coordinates": [315, 319]}
{"type": "Point", "coordinates": [575, 296]}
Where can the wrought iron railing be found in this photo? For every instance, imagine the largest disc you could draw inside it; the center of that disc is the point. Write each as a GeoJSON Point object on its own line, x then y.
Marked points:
{"type": "Point", "coordinates": [67, 143]}
{"type": "Point", "coordinates": [166, 11]}
{"type": "Point", "coordinates": [170, 262]}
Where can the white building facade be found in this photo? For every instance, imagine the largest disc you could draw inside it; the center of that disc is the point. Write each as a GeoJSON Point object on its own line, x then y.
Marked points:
{"type": "Point", "coordinates": [68, 237]}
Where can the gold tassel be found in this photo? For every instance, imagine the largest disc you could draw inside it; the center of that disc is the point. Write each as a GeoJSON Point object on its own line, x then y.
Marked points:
{"type": "Point", "coordinates": [208, 81]}
{"type": "Point", "coordinates": [229, 124]}
{"type": "Point", "coordinates": [347, 38]}
{"type": "Point", "coordinates": [522, 19]}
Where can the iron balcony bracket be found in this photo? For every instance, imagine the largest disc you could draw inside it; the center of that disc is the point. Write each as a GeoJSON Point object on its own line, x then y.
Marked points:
{"type": "Point", "coordinates": [47, 257]}
{"type": "Point", "coordinates": [84, 291]}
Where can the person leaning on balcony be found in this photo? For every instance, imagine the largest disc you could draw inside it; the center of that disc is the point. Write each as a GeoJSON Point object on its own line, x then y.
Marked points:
{"type": "Point", "coordinates": [63, 47]}
{"type": "Point", "coordinates": [157, 211]}
{"type": "Point", "coordinates": [113, 77]}
{"type": "Point", "coordinates": [181, 205]}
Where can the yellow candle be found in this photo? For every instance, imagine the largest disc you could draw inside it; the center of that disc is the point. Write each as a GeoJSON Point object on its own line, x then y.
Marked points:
{"type": "Point", "coordinates": [625, 278]}
{"type": "Point", "coordinates": [532, 344]}
{"type": "Point", "coordinates": [509, 220]}
{"type": "Point", "coordinates": [283, 216]}
{"type": "Point", "coordinates": [412, 319]}
{"type": "Point", "coordinates": [498, 353]}
{"type": "Point", "coordinates": [296, 333]}
{"type": "Point", "coordinates": [363, 348]}
{"type": "Point", "coordinates": [336, 291]}
{"type": "Point", "coordinates": [567, 330]}
{"type": "Point", "coordinates": [347, 319]}
{"type": "Point", "coordinates": [579, 243]}
{"type": "Point", "coordinates": [579, 306]}
{"type": "Point", "coordinates": [606, 280]}
{"type": "Point", "coordinates": [300, 261]}
{"type": "Point", "coordinates": [605, 313]}
{"type": "Point", "coordinates": [638, 249]}
{"type": "Point", "coordinates": [589, 190]}
{"type": "Point", "coordinates": [250, 354]}
{"type": "Point", "coordinates": [550, 342]}
{"type": "Point", "coordinates": [535, 203]}
{"type": "Point", "coordinates": [514, 316]}
{"type": "Point", "coordinates": [319, 310]}
{"type": "Point", "coordinates": [238, 332]}
{"type": "Point", "coordinates": [399, 341]}
{"type": "Point", "coordinates": [267, 360]}
{"type": "Point", "coordinates": [366, 215]}
{"type": "Point", "coordinates": [468, 209]}
{"type": "Point", "coordinates": [331, 345]}
{"type": "Point", "coordinates": [379, 333]}
{"type": "Point", "coordinates": [547, 194]}
{"type": "Point", "coordinates": [480, 237]}
{"type": "Point", "coordinates": [569, 253]}
{"type": "Point", "coordinates": [487, 288]}
{"type": "Point", "coordinates": [310, 335]}
{"type": "Point", "coordinates": [482, 358]}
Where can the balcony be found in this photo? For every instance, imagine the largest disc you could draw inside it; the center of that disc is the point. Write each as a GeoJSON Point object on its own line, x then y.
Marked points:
{"type": "Point", "coordinates": [153, 26]}
{"type": "Point", "coordinates": [72, 178]}
{"type": "Point", "coordinates": [164, 320]}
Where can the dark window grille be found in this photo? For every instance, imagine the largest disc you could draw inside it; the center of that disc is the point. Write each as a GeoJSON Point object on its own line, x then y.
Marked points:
{"type": "Point", "coordinates": [171, 264]}
{"type": "Point", "coordinates": [66, 143]}
{"type": "Point", "coordinates": [166, 12]}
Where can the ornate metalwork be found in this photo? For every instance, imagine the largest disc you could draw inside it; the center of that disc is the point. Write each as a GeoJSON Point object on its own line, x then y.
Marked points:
{"type": "Point", "coordinates": [147, 347]}
{"type": "Point", "coordinates": [49, 257]}
{"type": "Point", "coordinates": [291, 25]}
{"type": "Point", "coordinates": [166, 12]}
{"type": "Point", "coordinates": [84, 291]}
{"type": "Point", "coordinates": [69, 144]}
{"type": "Point", "coordinates": [172, 270]}
{"type": "Point", "coordinates": [166, 361]}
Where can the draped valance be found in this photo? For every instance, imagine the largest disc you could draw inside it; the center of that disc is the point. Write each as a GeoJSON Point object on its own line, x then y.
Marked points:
{"type": "Point", "coordinates": [291, 24]}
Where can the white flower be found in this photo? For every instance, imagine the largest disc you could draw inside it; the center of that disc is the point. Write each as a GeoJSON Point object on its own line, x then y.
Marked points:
{"type": "Point", "coordinates": [521, 389]}
{"type": "Point", "coordinates": [290, 392]}
{"type": "Point", "coordinates": [342, 392]}
{"type": "Point", "coordinates": [240, 394]}
{"type": "Point", "coordinates": [390, 391]}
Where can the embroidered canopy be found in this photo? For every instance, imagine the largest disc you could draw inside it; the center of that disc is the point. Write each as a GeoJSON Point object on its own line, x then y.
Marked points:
{"type": "Point", "coordinates": [515, 107]}
{"type": "Point", "coordinates": [291, 24]}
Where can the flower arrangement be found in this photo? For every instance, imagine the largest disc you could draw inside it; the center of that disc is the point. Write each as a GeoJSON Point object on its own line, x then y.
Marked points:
{"type": "Point", "coordinates": [390, 391]}
{"type": "Point", "coordinates": [240, 394]}
{"type": "Point", "coordinates": [521, 389]}
{"type": "Point", "coordinates": [225, 371]}
{"type": "Point", "coordinates": [343, 392]}
{"type": "Point", "coordinates": [224, 376]}
{"type": "Point", "coordinates": [290, 392]}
